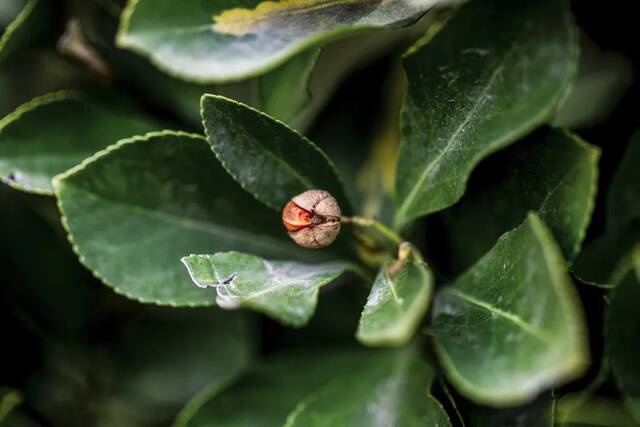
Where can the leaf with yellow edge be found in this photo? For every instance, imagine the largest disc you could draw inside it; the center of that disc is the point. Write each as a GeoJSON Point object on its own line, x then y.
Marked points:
{"type": "Point", "coordinates": [229, 40]}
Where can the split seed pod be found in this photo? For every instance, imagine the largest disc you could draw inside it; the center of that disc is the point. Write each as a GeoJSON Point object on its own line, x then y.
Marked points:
{"type": "Point", "coordinates": [312, 219]}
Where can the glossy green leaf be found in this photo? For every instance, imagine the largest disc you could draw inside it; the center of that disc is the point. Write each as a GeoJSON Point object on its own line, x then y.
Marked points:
{"type": "Point", "coordinates": [387, 388]}
{"type": "Point", "coordinates": [552, 173]}
{"type": "Point", "coordinates": [623, 204]}
{"type": "Point", "coordinates": [270, 160]}
{"type": "Point", "coordinates": [511, 326]}
{"type": "Point", "coordinates": [623, 334]}
{"type": "Point", "coordinates": [265, 395]}
{"type": "Point", "coordinates": [26, 29]}
{"type": "Point", "coordinates": [55, 132]}
{"type": "Point", "coordinates": [133, 210]}
{"type": "Point", "coordinates": [223, 40]}
{"type": "Point", "coordinates": [495, 72]}
{"type": "Point", "coordinates": [284, 290]}
{"type": "Point", "coordinates": [396, 305]}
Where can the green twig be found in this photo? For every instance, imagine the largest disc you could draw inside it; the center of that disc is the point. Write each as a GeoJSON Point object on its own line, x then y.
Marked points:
{"type": "Point", "coordinates": [372, 223]}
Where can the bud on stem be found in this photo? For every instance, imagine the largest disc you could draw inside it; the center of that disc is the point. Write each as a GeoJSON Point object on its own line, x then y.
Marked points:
{"type": "Point", "coordinates": [312, 219]}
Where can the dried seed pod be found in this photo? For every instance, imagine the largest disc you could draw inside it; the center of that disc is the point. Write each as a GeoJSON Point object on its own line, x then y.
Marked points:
{"type": "Point", "coordinates": [312, 219]}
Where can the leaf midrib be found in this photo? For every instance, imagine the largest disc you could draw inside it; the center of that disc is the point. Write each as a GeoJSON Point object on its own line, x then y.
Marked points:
{"type": "Point", "coordinates": [542, 335]}
{"type": "Point", "coordinates": [556, 187]}
{"type": "Point", "coordinates": [306, 183]}
{"type": "Point", "coordinates": [499, 67]}
{"type": "Point", "coordinates": [408, 201]}
{"type": "Point", "coordinates": [193, 224]}
{"type": "Point", "coordinates": [292, 282]}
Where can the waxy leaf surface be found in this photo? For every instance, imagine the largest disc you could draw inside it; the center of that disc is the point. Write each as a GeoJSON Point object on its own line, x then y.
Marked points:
{"type": "Point", "coordinates": [496, 71]}
{"type": "Point", "coordinates": [511, 326]}
{"type": "Point", "coordinates": [552, 173]}
{"type": "Point", "coordinates": [396, 305]}
{"type": "Point", "coordinates": [133, 210]}
{"type": "Point", "coordinates": [55, 132]}
{"type": "Point", "coordinates": [225, 40]}
{"type": "Point", "coordinates": [284, 290]}
{"type": "Point", "coordinates": [269, 160]}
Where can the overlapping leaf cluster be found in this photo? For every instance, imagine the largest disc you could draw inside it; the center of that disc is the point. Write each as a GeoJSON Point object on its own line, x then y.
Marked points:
{"type": "Point", "coordinates": [143, 195]}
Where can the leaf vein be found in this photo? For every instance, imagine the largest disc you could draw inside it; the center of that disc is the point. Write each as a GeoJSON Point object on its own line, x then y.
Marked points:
{"type": "Point", "coordinates": [514, 318]}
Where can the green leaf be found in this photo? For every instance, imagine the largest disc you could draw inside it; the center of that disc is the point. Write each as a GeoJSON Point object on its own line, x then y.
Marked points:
{"type": "Point", "coordinates": [387, 388]}
{"type": "Point", "coordinates": [265, 395]}
{"type": "Point", "coordinates": [30, 25]}
{"type": "Point", "coordinates": [511, 326]}
{"type": "Point", "coordinates": [133, 210]}
{"type": "Point", "coordinates": [286, 291]}
{"type": "Point", "coordinates": [284, 92]}
{"type": "Point", "coordinates": [623, 334]}
{"type": "Point", "coordinates": [597, 263]}
{"type": "Point", "coordinates": [224, 40]}
{"type": "Point", "coordinates": [495, 72]}
{"type": "Point", "coordinates": [623, 204]}
{"type": "Point", "coordinates": [369, 388]}
{"type": "Point", "coordinates": [269, 160]}
{"type": "Point", "coordinates": [55, 132]}
{"type": "Point", "coordinates": [552, 173]}
{"type": "Point", "coordinates": [396, 305]}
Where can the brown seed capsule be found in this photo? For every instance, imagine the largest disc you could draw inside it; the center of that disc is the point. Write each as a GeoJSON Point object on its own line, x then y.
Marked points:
{"type": "Point", "coordinates": [312, 219]}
